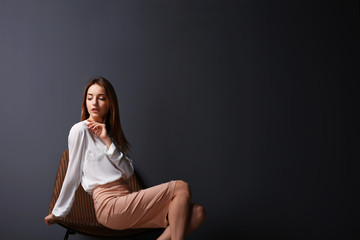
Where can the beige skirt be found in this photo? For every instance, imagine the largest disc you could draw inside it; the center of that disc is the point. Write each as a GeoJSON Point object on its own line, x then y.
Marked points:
{"type": "Point", "coordinates": [116, 207]}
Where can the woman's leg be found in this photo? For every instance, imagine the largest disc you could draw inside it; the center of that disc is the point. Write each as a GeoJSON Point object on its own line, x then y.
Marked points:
{"type": "Point", "coordinates": [179, 210]}
{"type": "Point", "coordinates": [197, 217]}
{"type": "Point", "coordinates": [183, 218]}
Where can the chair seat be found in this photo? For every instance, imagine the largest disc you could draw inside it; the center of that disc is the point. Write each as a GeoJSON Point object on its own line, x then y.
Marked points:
{"type": "Point", "coordinates": [82, 218]}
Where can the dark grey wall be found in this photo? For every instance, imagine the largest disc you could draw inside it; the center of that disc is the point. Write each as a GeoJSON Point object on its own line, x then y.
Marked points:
{"type": "Point", "coordinates": [252, 102]}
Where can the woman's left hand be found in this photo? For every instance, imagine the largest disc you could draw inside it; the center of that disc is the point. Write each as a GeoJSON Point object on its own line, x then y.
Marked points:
{"type": "Point", "coordinates": [99, 129]}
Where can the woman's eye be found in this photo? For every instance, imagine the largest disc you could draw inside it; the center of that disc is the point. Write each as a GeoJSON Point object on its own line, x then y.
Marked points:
{"type": "Point", "coordinates": [89, 99]}
{"type": "Point", "coordinates": [102, 98]}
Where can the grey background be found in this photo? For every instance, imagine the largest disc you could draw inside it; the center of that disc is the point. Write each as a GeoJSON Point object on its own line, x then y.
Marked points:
{"type": "Point", "coordinates": [251, 102]}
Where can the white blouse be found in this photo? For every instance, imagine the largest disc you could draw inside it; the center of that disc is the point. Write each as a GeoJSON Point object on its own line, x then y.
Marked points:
{"type": "Point", "coordinates": [92, 164]}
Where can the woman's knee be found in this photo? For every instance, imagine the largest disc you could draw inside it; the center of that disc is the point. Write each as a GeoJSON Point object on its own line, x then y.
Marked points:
{"type": "Point", "coordinates": [182, 188]}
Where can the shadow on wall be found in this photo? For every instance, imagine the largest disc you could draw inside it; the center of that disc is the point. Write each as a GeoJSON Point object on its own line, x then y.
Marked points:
{"type": "Point", "coordinates": [219, 233]}
{"type": "Point", "coordinates": [236, 230]}
{"type": "Point", "coordinates": [204, 232]}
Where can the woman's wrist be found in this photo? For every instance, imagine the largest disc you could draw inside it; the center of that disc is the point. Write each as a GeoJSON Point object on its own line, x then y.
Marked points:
{"type": "Point", "coordinates": [107, 141]}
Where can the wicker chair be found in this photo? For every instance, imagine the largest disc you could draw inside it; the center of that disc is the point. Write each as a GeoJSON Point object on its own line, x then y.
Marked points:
{"type": "Point", "coordinates": [82, 218]}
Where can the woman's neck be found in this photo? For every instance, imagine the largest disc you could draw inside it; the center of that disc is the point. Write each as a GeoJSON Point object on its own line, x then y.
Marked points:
{"type": "Point", "coordinates": [99, 120]}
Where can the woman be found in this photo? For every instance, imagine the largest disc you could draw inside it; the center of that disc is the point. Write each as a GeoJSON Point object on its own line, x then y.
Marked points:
{"type": "Point", "coordinates": [98, 160]}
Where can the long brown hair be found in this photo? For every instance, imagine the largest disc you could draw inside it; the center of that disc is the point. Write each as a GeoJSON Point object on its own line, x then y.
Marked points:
{"type": "Point", "coordinates": [113, 125]}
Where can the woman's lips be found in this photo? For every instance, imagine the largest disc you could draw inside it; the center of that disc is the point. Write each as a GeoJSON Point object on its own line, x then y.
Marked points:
{"type": "Point", "coordinates": [95, 110]}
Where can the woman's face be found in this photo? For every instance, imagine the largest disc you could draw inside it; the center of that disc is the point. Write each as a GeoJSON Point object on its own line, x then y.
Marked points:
{"type": "Point", "coordinates": [97, 103]}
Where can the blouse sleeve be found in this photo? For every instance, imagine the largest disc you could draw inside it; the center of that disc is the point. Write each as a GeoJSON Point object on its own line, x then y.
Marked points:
{"type": "Point", "coordinates": [123, 163]}
{"type": "Point", "coordinates": [76, 144]}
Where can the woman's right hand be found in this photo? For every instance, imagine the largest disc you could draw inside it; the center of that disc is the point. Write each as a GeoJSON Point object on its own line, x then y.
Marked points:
{"type": "Point", "coordinates": [50, 219]}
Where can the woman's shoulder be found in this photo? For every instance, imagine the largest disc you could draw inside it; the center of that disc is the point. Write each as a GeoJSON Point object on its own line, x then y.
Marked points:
{"type": "Point", "coordinates": [79, 127]}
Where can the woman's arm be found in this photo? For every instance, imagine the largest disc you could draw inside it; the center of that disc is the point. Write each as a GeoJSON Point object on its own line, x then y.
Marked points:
{"type": "Point", "coordinates": [123, 163]}
{"type": "Point", "coordinates": [76, 144]}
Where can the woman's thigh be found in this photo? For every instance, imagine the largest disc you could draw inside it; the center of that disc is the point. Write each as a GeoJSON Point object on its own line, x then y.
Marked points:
{"type": "Point", "coordinates": [146, 208]}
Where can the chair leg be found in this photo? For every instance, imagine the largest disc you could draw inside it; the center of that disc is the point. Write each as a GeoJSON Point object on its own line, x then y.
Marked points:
{"type": "Point", "coordinates": [68, 232]}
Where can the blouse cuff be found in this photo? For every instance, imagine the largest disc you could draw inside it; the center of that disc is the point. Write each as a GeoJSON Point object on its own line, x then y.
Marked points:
{"type": "Point", "coordinates": [58, 213]}
{"type": "Point", "coordinates": [111, 149]}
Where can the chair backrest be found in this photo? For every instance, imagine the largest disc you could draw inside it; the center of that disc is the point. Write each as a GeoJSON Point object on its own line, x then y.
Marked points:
{"type": "Point", "coordinates": [81, 217]}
